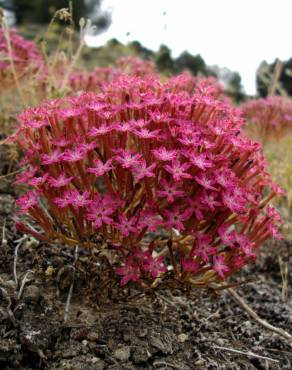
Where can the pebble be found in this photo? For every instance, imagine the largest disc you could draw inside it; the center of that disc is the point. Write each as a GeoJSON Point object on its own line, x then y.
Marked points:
{"type": "Point", "coordinates": [182, 337]}
{"type": "Point", "coordinates": [92, 336]}
{"type": "Point", "coordinates": [140, 355]}
{"type": "Point", "coordinates": [98, 363]}
{"type": "Point", "coordinates": [122, 354]}
{"type": "Point", "coordinates": [31, 294]}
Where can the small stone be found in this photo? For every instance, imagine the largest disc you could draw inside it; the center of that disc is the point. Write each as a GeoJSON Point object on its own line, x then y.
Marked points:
{"type": "Point", "coordinates": [140, 355]}
{"type": "Point", "coordinates": [85, 342]}
{"type": "Point", "coordinates": [98, 363]}
{"type": "Point", "coordinates": [49, 271]}
{"type": "Point", "coordinates": [10, 287]}
{"type": "Point", "coordinates": [157, 343]}
{"type": "Point", "coordinates": [220, 342]}
{"type": "Point", "coordinates": [142, 333]}
{"type": "Point", "coordinates": [122, 354]}
{"type": "Point", "coordinates": [92, 336]}
{"type": "Point", "coordinates": [32, 294]}
{"type": "Point", "coordinates": [182, 337]}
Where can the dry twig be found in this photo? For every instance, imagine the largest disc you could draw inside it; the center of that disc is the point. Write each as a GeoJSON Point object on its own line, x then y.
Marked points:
{"type": "Point", "coordinates": [8, 308]}
{"type": "Point", "coordinates": [249, 353]}
{"type": "Point", "coordinates": [275, 78]}
{"type": "Point", "coordinates": [19, 242]}
{"type": "Point", "coordinates": [66, 312]}
{"type": "Point", "coordinates": [24, 280]}
{"type": "Point", "coordinates": [4, 240]}
{"type": "Point", "coordinates": [256, 317]}
{"type": "Point", "coordinates": [284, 274]}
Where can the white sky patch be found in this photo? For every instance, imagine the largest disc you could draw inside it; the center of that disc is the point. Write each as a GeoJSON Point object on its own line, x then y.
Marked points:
{"type": "Point", "coordinates": [237, 34]}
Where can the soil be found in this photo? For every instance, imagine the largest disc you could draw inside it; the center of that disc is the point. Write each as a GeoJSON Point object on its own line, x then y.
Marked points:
{"type": "Point", "coordinates": [116, 329]}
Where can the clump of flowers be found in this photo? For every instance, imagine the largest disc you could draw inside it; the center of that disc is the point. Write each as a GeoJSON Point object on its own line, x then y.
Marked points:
{"type": "Point", "coordinates": [268, 118]}
{"type": "Point", "coordinates": [16, 50]}
{"type": "Point", "coordinates": [136, 67]}
{"type": "Point", "coordinates": [166, 178]}
{"type": "Point", "coordinates": [197, 84]}
{"type": "Point", "coordinates": [93, 81]}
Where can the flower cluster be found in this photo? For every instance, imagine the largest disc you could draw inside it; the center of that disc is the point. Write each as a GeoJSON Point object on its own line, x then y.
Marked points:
{"type": "Point", "coordinates": [24, 54]}
{"type": "Point", "coordinates": [94, 81]}
{"type": "Point", "coordinates": [136, 67]}
{"type": "Point", "coordinates": [268, 118]}
{"type": "Point", "coordinates": [164, 176]}
{"type": "Point", "coordinates": [197, 84]}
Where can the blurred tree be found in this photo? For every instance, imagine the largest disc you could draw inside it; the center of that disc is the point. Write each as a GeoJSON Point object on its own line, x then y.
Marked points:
{"type": "Point", "coordinates": [231, 81]}
{"type": "Point", "coordinates": [41, 11]}
{"type": "Point", "coordinates": [264, 77]}
{"type": "Point", "coordinates": [163, 60]}
{"type": "Point", "coordinates": [140, 50]}
{"type": "Point", "coordinates": [194, 63]}
{"type": "Point", "coordinates": [234, 88]}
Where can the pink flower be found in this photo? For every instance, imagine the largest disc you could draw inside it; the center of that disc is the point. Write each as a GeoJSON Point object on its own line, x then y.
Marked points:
{"type": "Point", "coordinates": [38, 181]}
{"type": "Point", "coordinates": [61, 142]}
{"type": "Point", "coordinates": [205, 181]}
{"type": "Point", "coordinates": [178, 170]}
{"type": "Point", "coordinates": [142, 171]}
{"type": "Point", "coordinates": [78, 199]}
{"type": "Point", "coordinates": [124, 126]}
{"type": "Point", "coordinates": [75, 155]}
{"type": "Point", "coordinates": [225, 178]}
{"type": "Point", "coordinates": [203, 247]}
{"type": "Point", "coordinates": [55, 157]}
{"type": "Point", "coordinates": [25, 176]}
{"type": "Point", "coordinates": [175, 218]}
{"type": "Point", "coordinates": [60, 181]}
{"type": "Point", "coordinates": [87, 147]}
{"type": "Point", "coordinates": [150, 219]}
{"type": "Point", "coordinates": [232, 202]}
{"type": "Point", "coordinates": [139, 124]}
{"type": "Point", "coordinates": [101, 168]}
{"type": "Point", "coordinates": [200, 160]}
{"type": "Point", "coordinates": [129, 272]}
{"type": "Point", "coordinates": [99, 131]}
{"type": "Point", "coordinates": [27, 201]}
{"type": "Point", "coordinates": [128, 159]}
{"type": "Point", "coordinates": [219, 265]}
{"type": "Point", "coordinates": [155, 266]}
{"type": "Point", "coordinates": [210, 200]}
{"type": "Point", "coordinates": [73, 197]}
{"type": "Point", "coordinates": [126, 226]}
{"type": "Point", "coordinates": [144, 133]}
{"type": "Point", "coordinates": [196, 207]}
{"type": "Point", "coordinates": [100, 211]}
{"type": "Point", "coordinates": [190, 265]}
{"type": "Point", "coordinates": [226, 237]}
{"type": "Point", "coordinates": [170, 191]}
{"type": "Point", "coordinates": [164, 155]}
{"type": "Point", "coordinates": [64, 200]}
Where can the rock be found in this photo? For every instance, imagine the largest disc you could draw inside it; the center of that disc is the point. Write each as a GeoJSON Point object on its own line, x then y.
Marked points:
{"type": "Point", "coordinates": [141, 354]}
{"type": "Point", "coordinates": [10, 288]}
{"type": "Point", "coordinates": [92, 336]}
{"type": "Point", "coordinates": [182, 337]}
{"type": "Point", "coordinates": [6, 201]}
{"type": "Point", "coordinates": [157, 343]}
{"type": "Point", "coordinates": [98, 363]}
{"type": "Point", "coordinates": [122, 354]}
{"type": "Point", "coordinates": [32, 294]}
